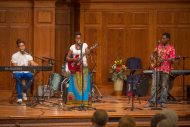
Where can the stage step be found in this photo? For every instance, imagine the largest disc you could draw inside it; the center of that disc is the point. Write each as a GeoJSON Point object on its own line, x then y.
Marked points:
{"type": "Point", "coordinates": [87, 124]}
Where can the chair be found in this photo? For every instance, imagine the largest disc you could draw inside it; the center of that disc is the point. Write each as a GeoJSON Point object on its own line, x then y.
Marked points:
{"type": "Point", "coordinates": [13, 96]}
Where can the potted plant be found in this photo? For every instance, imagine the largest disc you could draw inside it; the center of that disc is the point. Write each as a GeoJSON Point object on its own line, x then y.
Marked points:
{"type": "Point", "coordinates": [118, 70]}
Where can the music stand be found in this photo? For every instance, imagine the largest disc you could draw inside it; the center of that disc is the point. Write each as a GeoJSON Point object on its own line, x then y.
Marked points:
{"type": "Point", "coordinates": [82, 106]}
{"type": "Point", "coordinates": [131, 73]}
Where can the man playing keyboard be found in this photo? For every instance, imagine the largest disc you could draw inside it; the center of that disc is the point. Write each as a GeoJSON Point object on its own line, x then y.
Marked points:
{"type": "Point", "coordinates": [22, 58]}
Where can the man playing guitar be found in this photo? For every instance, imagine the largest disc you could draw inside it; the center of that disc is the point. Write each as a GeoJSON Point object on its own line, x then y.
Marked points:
{"type": "Point", "coordinates": [165, 54]}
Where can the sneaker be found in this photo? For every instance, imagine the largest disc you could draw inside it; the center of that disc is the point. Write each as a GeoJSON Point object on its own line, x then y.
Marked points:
{"type": "Point", "coordinates": [163, 105]}
{"type": "Point", "coordinates": [149, 104]}
{"type": "Point", "coordinates": [24, 97]}
{"type": "Point", "coordinates": [19, 101]}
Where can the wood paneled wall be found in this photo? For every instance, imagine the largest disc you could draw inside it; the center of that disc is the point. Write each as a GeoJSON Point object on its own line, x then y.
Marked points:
{"type": "Point", "coordinates": [63, 31]}
{"type": "Point", "coordinates": [44, 35]}
{"type": "Point", "coordinates": [123, 28]}
{"type": "Point", "coordinates": [15, 22]}
{"type": "Point", "coordinates": [131, 28]}
{"type": "Point", "coordinates": [32, 21]}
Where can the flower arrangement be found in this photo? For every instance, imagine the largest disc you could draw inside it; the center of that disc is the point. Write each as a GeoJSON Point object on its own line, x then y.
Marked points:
{"type": "Point", "coordinates": [118, 69]}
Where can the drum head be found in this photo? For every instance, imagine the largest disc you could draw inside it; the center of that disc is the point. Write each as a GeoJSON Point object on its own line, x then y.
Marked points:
{"type": "Point", "coordinates": [55, 81]}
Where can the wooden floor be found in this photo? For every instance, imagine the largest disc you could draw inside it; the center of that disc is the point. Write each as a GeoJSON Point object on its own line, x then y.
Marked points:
{"type": "Point", "coordinates": [52, 113]}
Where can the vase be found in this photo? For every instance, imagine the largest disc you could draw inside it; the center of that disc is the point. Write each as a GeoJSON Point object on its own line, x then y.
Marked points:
{"type": "Point", "coordinates": [118, 87]}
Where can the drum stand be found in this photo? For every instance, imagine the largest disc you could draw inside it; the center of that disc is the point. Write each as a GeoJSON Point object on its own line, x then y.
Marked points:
{"type": "Point", "coordinates": [95, 92]}
{"type": "Point", "coordinates": [64, 92]}
{"type": "Point", "coordinates": [95, 98]}
{"type": "Point", "coordinates": [61, 105]}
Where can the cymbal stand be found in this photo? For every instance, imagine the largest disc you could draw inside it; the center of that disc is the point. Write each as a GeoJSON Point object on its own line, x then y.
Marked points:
{"type": "Point", "coordinates": [64, 84]}
{"type": "Point", "coordinates": [95, 92]}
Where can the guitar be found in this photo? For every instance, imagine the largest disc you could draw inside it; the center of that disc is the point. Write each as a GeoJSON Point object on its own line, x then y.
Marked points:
{"type": "Point", "coordinates": [159, 61]}
{"type": "Point", "coordinates": [156, 63]}
{"type": "Point", "coordinates": [75, 65]}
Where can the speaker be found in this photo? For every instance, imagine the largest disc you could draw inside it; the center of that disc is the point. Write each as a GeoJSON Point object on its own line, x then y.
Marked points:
{"type": "Point", "coordinates": [142, 87]}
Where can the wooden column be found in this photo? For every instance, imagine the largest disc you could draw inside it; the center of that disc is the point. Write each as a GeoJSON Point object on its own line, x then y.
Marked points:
{"type": "Point", "coordinates": [44, 32]}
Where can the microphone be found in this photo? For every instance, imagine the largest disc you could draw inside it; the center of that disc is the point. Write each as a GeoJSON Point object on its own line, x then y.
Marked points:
{"type": "Point", "coordinates": [158, 41]}
{"type": "Point", "coordinates": [79, 43]}
{"type": "Point", "coordinates": [27, 52]}
{"type": "Point", "coordinates": [184, 57]}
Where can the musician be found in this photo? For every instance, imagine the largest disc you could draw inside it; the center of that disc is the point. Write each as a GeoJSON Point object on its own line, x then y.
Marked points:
{"type": "Point", "coordinates": [75, 85]}
{"type": "Point", "coordinates": [165, 54]}
{"type": "Point", "coordinates": [22, 58]}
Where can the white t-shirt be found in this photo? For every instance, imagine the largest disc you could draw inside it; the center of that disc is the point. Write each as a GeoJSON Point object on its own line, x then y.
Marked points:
{"type": "Point", "coordinates": [21, 59]}
{"type": "Point", "coordinates": [77, 52]}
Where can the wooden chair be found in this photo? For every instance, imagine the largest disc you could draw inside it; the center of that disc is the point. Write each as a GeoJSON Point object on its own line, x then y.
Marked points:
{"type": "Point", "coordinates": [13, 96]}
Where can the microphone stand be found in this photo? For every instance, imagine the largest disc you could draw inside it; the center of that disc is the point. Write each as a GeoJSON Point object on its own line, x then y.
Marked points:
{"type": "Point", "coordinates": [42, 80]}
{"type": "Point", "coordinates": [82, 106]}
{"type": "Point", "coordinates": [155, 77]}
{"type": "Point", "coordinates": [37, 101]}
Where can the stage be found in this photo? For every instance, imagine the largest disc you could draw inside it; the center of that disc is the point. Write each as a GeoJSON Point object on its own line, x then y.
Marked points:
{"type": "Point", "coordinates": [52, 113]}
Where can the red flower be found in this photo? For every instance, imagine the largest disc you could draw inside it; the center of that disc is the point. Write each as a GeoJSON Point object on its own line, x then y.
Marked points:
{"type": "Point", "coordinates": [70, 98]}
{"type": "Point", "coordinates": [118, 69]}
